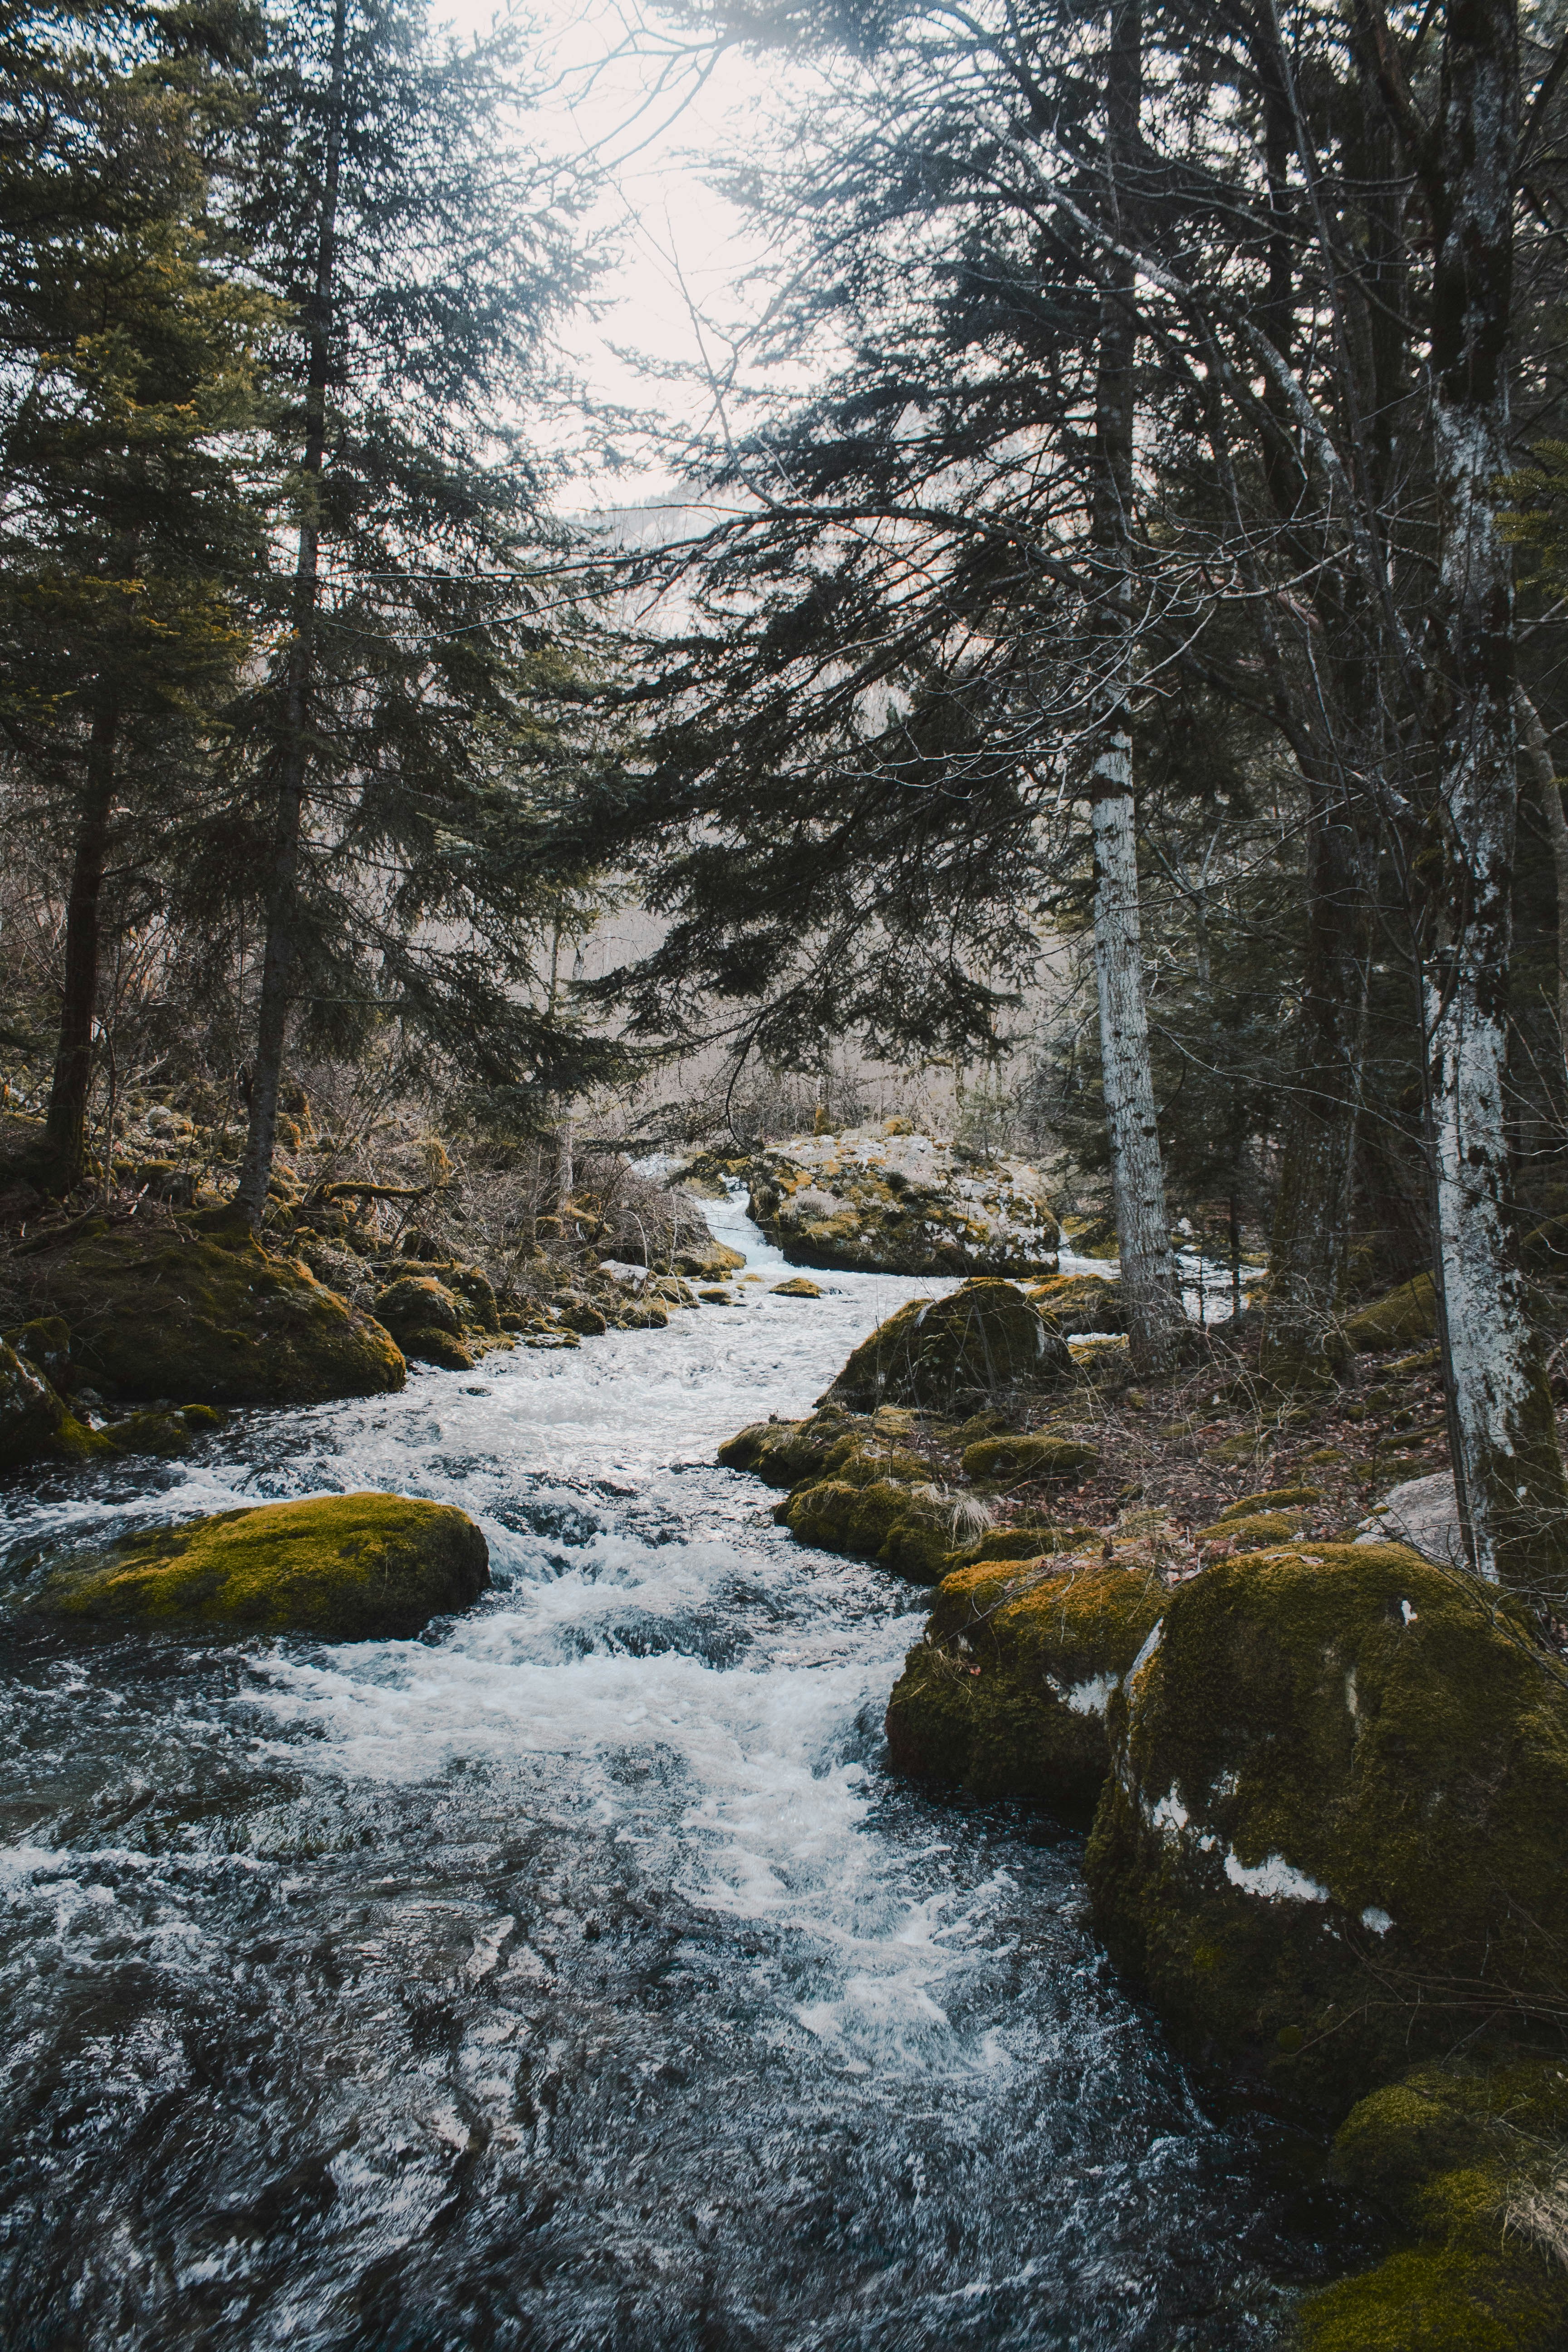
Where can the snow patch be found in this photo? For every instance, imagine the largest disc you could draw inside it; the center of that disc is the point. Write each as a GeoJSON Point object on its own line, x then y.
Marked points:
{"type": "Point", "coordinates": [1276, 1880]}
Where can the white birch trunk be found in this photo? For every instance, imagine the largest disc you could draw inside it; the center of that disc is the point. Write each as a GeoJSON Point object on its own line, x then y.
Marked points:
{"type": "Point", "coordinates": [1137, 1175]}
{"type": "Point", "coordinates": [1507, 1464]}
{"type": "Point", "coordinates": [1137, 1172]}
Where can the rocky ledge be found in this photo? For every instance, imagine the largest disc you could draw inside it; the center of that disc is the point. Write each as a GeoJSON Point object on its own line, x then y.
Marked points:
{"type": "Point", "coordinates": [885, 1200]}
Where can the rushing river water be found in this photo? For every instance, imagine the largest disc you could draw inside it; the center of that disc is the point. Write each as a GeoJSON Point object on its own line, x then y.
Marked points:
{"type": "Point", "coordinates": [575, 1975]}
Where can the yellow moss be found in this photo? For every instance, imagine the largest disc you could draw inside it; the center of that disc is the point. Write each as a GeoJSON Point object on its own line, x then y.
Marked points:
{"type": "Point", "coordinates": [1012, 1459]}
{"type": "Point", "coordinates": [1400, 1318]}
{"type": "Point", "coordinates": [1346, 1768]}
{"type": "Point", "coordinates": [211, 1316]}
{"type": "Point", "coordinates": [1007, 1693]}
{"type": "Point", "coordinates": [1253, 1530]}
{"type": "Point", "coordinates": [346, 1567]}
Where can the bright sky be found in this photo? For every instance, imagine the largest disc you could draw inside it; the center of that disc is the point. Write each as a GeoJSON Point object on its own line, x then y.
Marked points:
{"type": "Point", "coordinates": [683, 250]}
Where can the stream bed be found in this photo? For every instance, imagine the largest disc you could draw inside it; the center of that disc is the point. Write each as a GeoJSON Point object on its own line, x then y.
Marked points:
{"type": "Point", "coordinates": [575, 1975]}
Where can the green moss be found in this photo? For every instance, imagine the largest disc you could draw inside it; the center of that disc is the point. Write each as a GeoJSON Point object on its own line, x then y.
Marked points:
{"type": "Point", "coordinates": [46, 1342]}
{"type": "Point", "coordinates": [798, 1287]}
{"type": "Point", "coordinates": [1078, 1303]}
{"type": "Point", "coordinates": [346, 1567]}
{"type": "Point", "coordinates": [217, 1319]}
{"type": "Point", "coordinates": [1400, 1318]}
{"type": "Point", "coordinates": [417, 1302]}
{"type": "Point", "coordinates": [1030, 1539]}
{"type": "Point", "coordinates": [1344, 1770]}
{"type": "Point", "coordinates": [30, 1412]}
{"type": "Point", "coordinates": [1008, 1691]}
{"type": "Point", "coordinates": [430, 1344]}
{"type": "Point", "coordinates": [1432, 2300]}
{"type": "Point", "coordinates": [787, 1453]}
{"type": "Point", "coordinates": [1451, 2153]}
{"type": "Point", "coordinates": [983, 1341]}
{"type": "Point", "coordinates": [1253, 1530]}
{"type": "Point", "coordinates": [882, 1519]}
{"type": "Point", "coordinates": [1273, 1498]}
{"type": "Point", "coordinates": [1009, 1459]}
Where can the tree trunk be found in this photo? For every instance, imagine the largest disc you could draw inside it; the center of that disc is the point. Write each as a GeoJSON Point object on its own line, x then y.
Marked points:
{"type": "Point", "coordinates": [1136, 1172]}
{"type": "Point", "coordinates": [1538, 751]}
{"type": "Point", "coordinates": [1507, 1464]}
{"type": "Point", "coordinates": [1301, 1345]}
{"type": "Point", "coordinates": [283, 876]}
{"type": "Point", "coordinates": [65, 1132]}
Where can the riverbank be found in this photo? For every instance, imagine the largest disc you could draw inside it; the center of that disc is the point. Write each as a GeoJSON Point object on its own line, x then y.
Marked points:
{"type": "Point", "coordinates": [578, 1971]}
{"type": "Point", "coordinates": [1326, 1775]}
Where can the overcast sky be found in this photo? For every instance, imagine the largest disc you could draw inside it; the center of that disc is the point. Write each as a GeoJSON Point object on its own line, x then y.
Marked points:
{"type": "Point", "coordinates": [684, 250]}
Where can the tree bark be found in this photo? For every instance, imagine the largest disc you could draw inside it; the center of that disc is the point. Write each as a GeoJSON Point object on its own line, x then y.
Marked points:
{"type": "Point", "coordinates": [1507, 1464]}
{"type": "Point", "coordinates": [283, 876]}
{"type": "Point", "coordinates": [1137, 1172]}
{"type": "Point", "coordinates": [1302, 1344]}
{"type": "Point", "coordinates": [1538, 751]}
{"type": "Point", "coordinates": [65, 1130]}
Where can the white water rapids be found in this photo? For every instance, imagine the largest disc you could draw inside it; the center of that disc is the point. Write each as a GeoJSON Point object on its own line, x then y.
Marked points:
{"type": "Point", "coordinates": [575, 1975]}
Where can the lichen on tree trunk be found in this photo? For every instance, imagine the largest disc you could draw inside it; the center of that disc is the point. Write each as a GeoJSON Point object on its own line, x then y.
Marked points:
{"type": "Point", "coordinates": [1506, 1462]}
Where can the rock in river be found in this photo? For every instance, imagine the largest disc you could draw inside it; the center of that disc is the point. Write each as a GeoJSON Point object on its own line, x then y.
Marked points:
{"type": "Point", "coordinates": [983, 1344]}
{"type": "Point", "coordinates": [346, 1567]}
{"type": "Point", "coordinates": [881, 1201]}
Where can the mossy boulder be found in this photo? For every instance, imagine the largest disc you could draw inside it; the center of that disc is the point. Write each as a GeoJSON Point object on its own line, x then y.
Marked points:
{"type": "Point", "coordinates": [1333, 1831]}
{"type": "Point", "coordinates": [46, 1344]}
{"type": "Point", "coordinates": [1399, 1319]}
{"type": "Point", "coordinates": [347, 1568]}
{"type": "Point", "coordinates": [418, 1302]}
{"type": "Point", "coordinates": [1081, 1303]}
{"type": "Point", "coordinates": [982, 1342]}
{"type": "Point", "coordinates": [887, 1200]}
{"type": "Point", "coordinates": [1274, 1498]}
{"type": "Point", "coordinates": [1007, 1693]}
{"type": "Point", "coordinates": [1253, 1530]}
{"type": "Point", "coordinates": [709, 1264]}
{"type": "Point", "coordinates": [31, 1413]}
{"type": "Point", "coordinates": [210, 1317]}
{"type": "Point", "coordinates": [1026, 1539]}
{"type": "Point", "coordinates": [788, 1453]}
{"type": "Point", "coordinates": [1008, 1460]}
{"type": "Point", "coordinates": [800, 1287]}
{"type": "Point", "coordinates": [169, 1433]}
{"type": "Point", "coordinates": [1471, 2166]}
{"type": "Point", "coordinates": [904, 1528]}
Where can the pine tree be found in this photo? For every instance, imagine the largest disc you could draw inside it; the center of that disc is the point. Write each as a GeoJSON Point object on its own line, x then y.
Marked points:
{"type": "Point", "coordinates": [401, 736]}
{"type": "Point", "coordinates": [135, 368]}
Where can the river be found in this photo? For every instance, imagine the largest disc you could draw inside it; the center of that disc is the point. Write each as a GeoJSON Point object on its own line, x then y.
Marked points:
{"type": "Point", "coordinates": [575, 1976]}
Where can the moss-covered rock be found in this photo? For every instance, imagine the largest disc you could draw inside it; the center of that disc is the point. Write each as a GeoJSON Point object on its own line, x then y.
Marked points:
{"type": "Point", "coordinates": [417, 1302]}
{"type": "Point", "coordinates": [169, 1433]}
{"type": "Point", "coordinates": [1399, 1319]}
{"type": "Point", "coordinates": [1007, 1460]}
{"type": "Point", "coordinates": [1472, 2166]}
{"type": "Point", "coordinates": [1335, 1828]}
{"type": "Point", "coordinates": [799, 1288]}
{"type": "Point", "coordinates": [1275, 1498]}
{"type": "Point", "coordinates": [788, 1453]}
{"type": "Point", "coordinates": [1026, 1539]}
{"type": "Point", "coordinates": [709, 1263]}
{"type": "Point", "coordinates": [982, 1342]}
{"type": "Point", "coordinates": [887, 1200]}
{"type": "Point", "coordinates": [906, 1528]}
{"type": "Point", "coordinates": [1081, 1303]}
{"type": "Point", "coordinates": [1253, 1530]}
{"type": "Point", "coordinates": [1008, 1693]}
{"type": "Point", "coordinates": [348, 1568]}
{"type": "Point", "coordinates": [46, 1342]}
{"type": "Point", "coordinates": [208, 1316]}
{"type": "Point", "coordinates": [30, 1412]}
